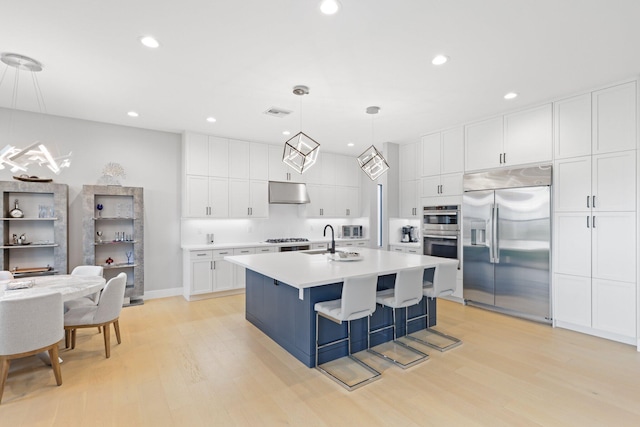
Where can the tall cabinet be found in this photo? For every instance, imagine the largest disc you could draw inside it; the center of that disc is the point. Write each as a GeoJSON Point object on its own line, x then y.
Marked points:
{"type": "Point", "coordinates": [43, 225]}
{"type": "Point", "coordinates": [595, 259]}
{"type": "Point", "coordinates": [113, 225]}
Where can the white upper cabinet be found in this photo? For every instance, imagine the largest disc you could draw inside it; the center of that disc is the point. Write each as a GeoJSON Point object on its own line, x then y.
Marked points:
{"type": "Point", "coordinates": [528, 136]}
{"type": "Point", "coordinates": [248, 160]}
{"type": "Point", "coordinates": [484, 142]}
{"type": "Point", "coordinates": [206, 197]}
{"type": "Point", "coordinates": [347, 171]}
{"type": "Point", "coordinates": [410, 156]}
{"type": "Point", "coordinates": [206, 155]}
{"type": "Point", "coordinates": [515, 139]}
{"type": "Point", "coordinates": [614, 118]}
{"type": "Point", "coordinates": [410, 199]}
{"type": "Point", "coordinates": [280, 171]}
{"type": "Point", "coordinates": [572, 126]}
{"type": "Point", "coordinates": [443, 152]}
{"type": "Point", "coordinates": [572, 184]}
{"type": "Point", "coordinates": [248, 199]}
{"type": "Point", "coordinates": [329, 169]}
{"type": "Point", "coordinates": [614, 181]}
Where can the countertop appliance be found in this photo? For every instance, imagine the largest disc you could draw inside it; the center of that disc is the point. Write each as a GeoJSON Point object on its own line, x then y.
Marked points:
{"type": "Point", "coordinates": [352, 232]}
{"type": "Point", "coordinates": [506, 241]}
{"type": "Point", "coordinates": [441, 231]}
{"type": "Point", "coordinates": [298, 244]}
{"type": "Point", "coordinates": [409, 234]}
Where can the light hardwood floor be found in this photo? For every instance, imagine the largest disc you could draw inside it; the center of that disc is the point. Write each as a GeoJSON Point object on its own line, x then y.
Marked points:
{"type": "Point", "coordinates": [202, 364]}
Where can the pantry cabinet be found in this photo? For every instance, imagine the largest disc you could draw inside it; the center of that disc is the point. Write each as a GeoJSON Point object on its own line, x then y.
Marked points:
{"type": "Point", "coordinates": [280, 171]}
{"type": "Point", "coordinates": [614, 116]}
{"type": "Point", "coordinates": [206, 197]}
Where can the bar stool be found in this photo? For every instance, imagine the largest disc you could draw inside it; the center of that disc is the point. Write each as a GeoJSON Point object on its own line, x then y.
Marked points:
{"type": "Point", "coordinates": [444, 283]}
{"type": "Point", "coordinates": [358, 300]}
{"type": "Point", "coordinates": [407, 292]}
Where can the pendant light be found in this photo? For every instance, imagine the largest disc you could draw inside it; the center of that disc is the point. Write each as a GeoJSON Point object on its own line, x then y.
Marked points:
{"type": "Point", "coordinates": [36, 153]}
{"type": "Point", "coordinates": [371, 160]}
{"type": "Point", "coordinates": [301, 151]}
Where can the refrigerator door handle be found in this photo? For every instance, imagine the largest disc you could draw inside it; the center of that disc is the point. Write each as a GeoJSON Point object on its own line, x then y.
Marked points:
{"type": "Point", "coordinates": [496, 233]}
{"type": "Point", "coordinates": [491, 227]}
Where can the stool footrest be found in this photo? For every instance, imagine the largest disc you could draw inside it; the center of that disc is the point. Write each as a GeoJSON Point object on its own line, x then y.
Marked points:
{"type": "Point", "coordinates": [452, 341]}
{"type": "Point", "coordinates": [350, 372]}
{"type": "Point", "coordinates": [400, 354]}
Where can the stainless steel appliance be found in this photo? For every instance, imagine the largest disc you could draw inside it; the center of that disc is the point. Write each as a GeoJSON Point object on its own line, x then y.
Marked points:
{"type": "Point", "coordinates": [297, 244]}
{"type": "Point", "coordinates": [352, 232]}
{"type": "Point", "coordinates": [506, 235]}
{"type": "Point", "coordinates": [441, 231]}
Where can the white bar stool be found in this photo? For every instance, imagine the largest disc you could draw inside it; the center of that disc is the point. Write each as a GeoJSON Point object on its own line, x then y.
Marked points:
{"type": "Point", "coordinates": [407, 291]}
{"type": "Point", "coordinates": [358, 300]}
{"type": "Point", "coordinates": [444, 283]}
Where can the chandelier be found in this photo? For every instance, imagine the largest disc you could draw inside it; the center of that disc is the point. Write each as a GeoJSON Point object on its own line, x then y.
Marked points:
{"type": "Point", "coordinates": [371, 160]}
{"type": "Point", "coordinates": [301, 151]}
{"type": "Point", "coordinates": [18, 159]}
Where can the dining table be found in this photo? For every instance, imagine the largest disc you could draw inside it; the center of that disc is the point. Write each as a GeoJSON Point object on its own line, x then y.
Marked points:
{"type": "Point", "coordinates": [69, 286]}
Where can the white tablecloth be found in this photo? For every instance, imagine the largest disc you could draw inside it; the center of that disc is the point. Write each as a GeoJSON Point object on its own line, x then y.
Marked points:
{"type": "Point", "coordinates": [71, 287]}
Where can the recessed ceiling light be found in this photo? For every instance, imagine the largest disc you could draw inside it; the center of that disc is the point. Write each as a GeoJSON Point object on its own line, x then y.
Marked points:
{"type": "Point", "coordinates": [286, 132]}
{"type": "Point", "coordinates": [211, 119]}
{"type": "Point", "coordinates": [510, 95]}
{"type": "Point", "coordinates": [149, 41]}
{"type": "Point", "coordinates": [329, 7]}
{"type": "Point", "coordinates": [132, 114]}
{"type": "Point", "coordinates": [351, 144]}
{"type": "Point", "coordinates": [439, 60]}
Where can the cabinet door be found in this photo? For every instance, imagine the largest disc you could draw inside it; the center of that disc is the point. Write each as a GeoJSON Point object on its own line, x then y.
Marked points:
{"type": "Point", "coordinates": [614, 246]}
{"type": "Point", "coordinates": [614, 119]}
{"type": "Point", "coordinates": [614, 307]}
{"type": "Point", "coordinates": [196, 154]}
{"type": "Point", "coordinates": [431, 186]}
{"type": "Point", "coordinates": [614, 181]}
{"type": "Point", "coordinates": [451, 185]}
{"type": "Point", "coordinates": [409, 157]}
{"type": "Point", "coordinates": [347, 171]}
{"type": "Point", "coordinates": [239, 159]}
{"type": "Point", "coordinates": [239, 198]}
{"type": "Point", "coordinates": [258, 161]}
{"type": "Point", "coordinates": [347, 201]}
{"type": "Point", "coordinates": [528, 136]}
{"type": "Point", "coordinates": [218, 157]}
{"type": "Point", "coordinates": [409, 199]}
{"type": "Point", "coordinates": [572, 299]}
{"type": "Point", "coordinates": [572, 246]}
{"type": "Point", "coordinates": [218, 197]}
{"type": "Point", "coordinates": [431, 155]}
{"type": "Point", "coordinates": [452, 151]}
{"type": "Point", "coordinates": [222, 275]}
{"type": "Point", "coordinates": [329, 169]}
{"type": "Point", "coordinates": [484, 144]}
{"type": "Point", "coordinates": [572, 126]}
{"type": "Point", "coordinates": [201, 277]}
{"type": "Point", "coordinates": [196, 196]}
{"type": "Point", "coordinates": [323, 201]}
{"type": "Point", "coordinates": [259, 203]}
{"type": "Point", "coordinates": [572, 184]}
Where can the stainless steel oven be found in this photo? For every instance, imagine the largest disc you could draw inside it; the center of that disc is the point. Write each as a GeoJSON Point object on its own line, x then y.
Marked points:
{"type": "Point", "coordinates": [441, 232]}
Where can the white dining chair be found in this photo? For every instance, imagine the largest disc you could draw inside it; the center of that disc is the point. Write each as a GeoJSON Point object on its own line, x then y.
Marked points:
{"type": "Point", "coordinates": [6, 275]}
{"type": "Point", "coordinates": [85, 270]}
{"type": "Point", "coordinates": [444, 284]}
{"type": "Point", "coordinates": [407, 292]}
{"type": "Point", "coordinates": [30, 325]}
{"type": "Point", "coordinates": [105, 313]}
{"type": "Point", "coordinates": [358, 300]}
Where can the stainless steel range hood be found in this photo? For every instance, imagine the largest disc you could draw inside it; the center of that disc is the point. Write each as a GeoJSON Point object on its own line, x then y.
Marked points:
{"type": "Point", "coordinates": [288, 193]}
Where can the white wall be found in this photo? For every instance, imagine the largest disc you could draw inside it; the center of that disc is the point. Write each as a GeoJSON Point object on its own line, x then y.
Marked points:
{"type": "Point", "coordinates": [150, 159]}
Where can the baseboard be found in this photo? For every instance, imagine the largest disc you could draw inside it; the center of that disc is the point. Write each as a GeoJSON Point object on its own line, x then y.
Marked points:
{"type": "Point", "coordinates": [162, 293]}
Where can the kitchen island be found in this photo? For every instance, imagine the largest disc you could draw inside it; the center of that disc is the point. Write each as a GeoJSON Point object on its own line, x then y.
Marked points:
{"type": "Point", "coordinates": [282, 288]}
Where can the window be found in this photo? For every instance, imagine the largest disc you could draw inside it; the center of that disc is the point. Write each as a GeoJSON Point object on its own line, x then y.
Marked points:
{"type": "Point", "coordinates": [380, 215]}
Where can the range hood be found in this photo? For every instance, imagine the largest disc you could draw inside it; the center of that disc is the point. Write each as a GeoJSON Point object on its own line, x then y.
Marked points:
{"type": "Point", "coordinates": [288, 193]}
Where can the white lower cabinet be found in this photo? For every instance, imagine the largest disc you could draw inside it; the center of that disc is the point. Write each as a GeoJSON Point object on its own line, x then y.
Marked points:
{"type": "Point", "coordinates": [207, 272]}
{"type": "Point", "coordinates": [614, 307]}
{"type": "Point", "coordinates": [572, 298]}
{"type": "Point", "coordinates": [240, 273]}
{"type": "Point", "coordinates": [406, 249]}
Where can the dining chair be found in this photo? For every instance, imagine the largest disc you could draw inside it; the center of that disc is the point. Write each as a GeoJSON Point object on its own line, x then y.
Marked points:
{"type": "Point", "coordinates": [6, 275]}
{"type": "Point", "coordinates": [85, 270]}
{"type": "Point", "coordinates": [358, 300]}
{"type": "Point", "coordinates": [105, 313]}
{"type": "Point", "coordinates": [30, 325]}
{"type": "Point", "coordinates": [407, 292]}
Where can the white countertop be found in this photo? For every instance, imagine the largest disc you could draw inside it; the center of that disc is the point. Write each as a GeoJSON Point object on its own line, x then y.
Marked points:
{"type": "Point", "coordinates": [71, 287]}
{"type": "Point", "coordinates": [302, 270]}
{"type": "Point", "coordinates": [205, 246]}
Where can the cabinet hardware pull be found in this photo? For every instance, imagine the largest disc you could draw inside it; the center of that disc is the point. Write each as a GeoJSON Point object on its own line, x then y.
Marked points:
{"type": "Point", "coordinates": [201, 254]}
{"type": "Point", "coordinates": [587, 221]}
{"type": "Point", "coordinates": [593, 221]}
{"type": "Point", "coordinates": [500, 158]}
{"type": "Point", "coordinates": [594, 201]}
{"type": "Point", "coordinates": [588, 201]}
{"type": "Point", "coordinates": [505, 158]}
{"type": "Point", "coordinates": [275, 282]}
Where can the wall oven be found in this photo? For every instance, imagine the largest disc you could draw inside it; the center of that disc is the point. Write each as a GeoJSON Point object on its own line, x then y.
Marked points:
{"type": "Point", "coordinates": [441, 232]}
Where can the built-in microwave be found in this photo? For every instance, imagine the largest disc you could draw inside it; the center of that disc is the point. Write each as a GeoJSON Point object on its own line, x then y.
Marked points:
{"type": "Point", "coordinates": [441, 232]}
{"type": "Point", "coordinates": [352, 232]}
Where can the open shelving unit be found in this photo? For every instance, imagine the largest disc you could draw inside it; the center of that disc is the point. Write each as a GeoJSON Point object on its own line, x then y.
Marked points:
{"type": "Point", "coordinates": [120, 246]}
{"type": "Point", "coordinates": [45, 208]}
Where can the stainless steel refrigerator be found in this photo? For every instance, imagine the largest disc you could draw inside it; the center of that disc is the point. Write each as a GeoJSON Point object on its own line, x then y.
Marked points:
{"type": "Point", "coordinates": [506, 241]}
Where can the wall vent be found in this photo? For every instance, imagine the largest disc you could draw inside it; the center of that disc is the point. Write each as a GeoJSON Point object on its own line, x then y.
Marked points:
{"type": "Point", "coordinates": [277, 112]}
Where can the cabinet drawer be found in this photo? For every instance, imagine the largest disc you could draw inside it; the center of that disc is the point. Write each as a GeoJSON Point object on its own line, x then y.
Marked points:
{"type": "Point", "coordinates": [266, 250]}
{"type": "Point", "coordinates": [221, 253]}
{"type": "Point", "coordinates": [244, 251]}
{"type": "Point", "coordinates": [201, 255]}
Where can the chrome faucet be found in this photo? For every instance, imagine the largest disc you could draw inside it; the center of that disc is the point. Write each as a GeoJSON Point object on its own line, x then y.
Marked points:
{"type": "Point", "coordinates": [332, 249]}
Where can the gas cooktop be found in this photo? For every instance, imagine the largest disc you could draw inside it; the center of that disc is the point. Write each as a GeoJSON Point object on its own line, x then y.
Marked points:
{"type": "Point", "coordinates": [287, 240]}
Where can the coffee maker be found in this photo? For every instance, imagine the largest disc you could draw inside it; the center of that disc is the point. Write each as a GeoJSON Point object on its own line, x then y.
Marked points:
{"type": "Point", "coordinates": [406, 234]}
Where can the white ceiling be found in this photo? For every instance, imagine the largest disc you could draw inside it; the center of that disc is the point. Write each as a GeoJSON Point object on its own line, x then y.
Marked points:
{"type": "Point", "coordinates": [234, 59]}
